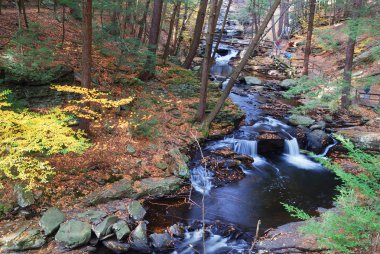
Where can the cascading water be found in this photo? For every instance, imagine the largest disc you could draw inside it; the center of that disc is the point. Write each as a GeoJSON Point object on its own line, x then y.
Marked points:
{"type": "Point", "coordinates": [247, 147]}
{"type": "Point", "coordinates": [291, 146]}
{"type": "Point", "coordinates": [201, 179]}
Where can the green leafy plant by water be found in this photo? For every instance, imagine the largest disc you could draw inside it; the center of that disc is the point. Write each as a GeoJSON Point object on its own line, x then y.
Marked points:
{"type": "Point", "coordinates": [355, 222]}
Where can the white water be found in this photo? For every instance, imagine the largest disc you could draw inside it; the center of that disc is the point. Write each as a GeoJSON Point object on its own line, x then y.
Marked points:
{"type": "Point", "coordinates": [193, 243]}
{"type": "Point", "coordinates": [294, 157]}
{"type": "Point", "coordinates": [201, 179]}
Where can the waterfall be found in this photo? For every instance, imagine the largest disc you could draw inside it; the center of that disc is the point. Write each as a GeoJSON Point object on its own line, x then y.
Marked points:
{"type": "Point", "coordinates": [242, 146]}
{"type": "Point", "coordinates": [201, 179]}
{"type": "Point", "coordinates": [291, 147]}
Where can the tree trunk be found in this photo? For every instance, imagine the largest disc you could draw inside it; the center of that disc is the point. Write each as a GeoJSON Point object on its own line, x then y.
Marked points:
{"type": "Point", "coordinates": [22, 4]}
{"type": "Point", "coordinates": [222, 29]}
{"type": "Point", "coordinates": [207, 60]}
{"type": "Point", "coordinates": [86, 52]}
{"type": "Point", "coordinates": [183, 28]}
{"type": "Point", "coordinates": [19, 15]}
{"type": "Point", "coordinates": [38, 6]}
{"type": "Point", "coordinates": [149, 68]}
{"type": "Point", "coordinates": [253, 44]}
{"type": "Point", "coordinates": [197, 34]}
{"type": "Point", "coordinates": [350, 49]}
{"type": "Point", "coordinates": [170, 33]}
{"type": "Point", "coordinates": [308, 38]}
{"type": "Point", "coordinates": [143, 21]}
{"type": "Point", "coordinates": [63, 24]}
{"type": "Point", "coordinates": [177, 30]}
{"type": "Point", "coordinates": [274, 36]}
{"type": "Point", "coordinates": [163, 16]}
{"type": "Point", "coordinates": [55, 6]}
{"type": "Point", "coordinates": [281, 18]}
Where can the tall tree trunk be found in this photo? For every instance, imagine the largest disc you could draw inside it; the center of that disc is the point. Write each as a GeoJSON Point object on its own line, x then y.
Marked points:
{"type": "Point", "coordinates": [22, 3]}
{"type": "Point", "coordinates": [286, 14]}
{"type": "Point", "coordinates": [183, 28]}
{"type": "Point", "coordinates": [1, 5]}
{"type": "Point", "coordinates": [63, 24]}
{"type": "Point", "coordinates": [350, 49]}
{"type": "Point", "coordinates": [253, 44]}
{"type": "Point", "coordinates": [177, 30]}
{"type": "Point", "coordinates": [308, 38]}
{"type": "Point", "coordinates": [281, 18]}
{"type": "Point", "coordinates": [207, 60]}
{"type": "Point", "coordinates": [222, 29]}
{"type": "Point", "coordinates": [170, 33]}
{"type": "Point", "coordinates": [163, 17]}
{"type": "Point", "coordinates": [197, 34]}
{"type": "Point", "coordinates": [55, 6]}
{"type": "Point", "coordinates": [149, 68]}
{"type": "Point", "coordinates": [86, 51]}
{"type": "Point", "coordinates": [142, 22]}
{"type": "Point", "coordinates": [274, 36]}
{"type": "Point", "coordinates": [38, 6]}
{"type": "Point", "coordinates": [19, 15]}
{"type": "Point", "coordinates": [254, 18]}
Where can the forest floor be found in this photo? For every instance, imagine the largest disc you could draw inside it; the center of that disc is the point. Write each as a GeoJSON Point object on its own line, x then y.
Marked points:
{"type": "Point", "coordinates": [133, 141]}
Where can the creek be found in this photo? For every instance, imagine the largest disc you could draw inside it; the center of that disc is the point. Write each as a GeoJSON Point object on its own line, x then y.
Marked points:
{"type": "Point", "coordinates": [277, 176]}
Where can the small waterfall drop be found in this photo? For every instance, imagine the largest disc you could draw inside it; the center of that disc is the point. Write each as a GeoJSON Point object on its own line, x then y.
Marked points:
{"type": "Point", "coordinates": [201, 179]}
{"type": "Point", "coordinates": [291, 147]}
{"type": "Point", "coordinates": [248, 147]}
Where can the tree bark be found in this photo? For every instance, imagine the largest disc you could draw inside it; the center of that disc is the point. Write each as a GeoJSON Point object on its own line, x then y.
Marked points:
{"type": "Point", "coordinates": [63, 24]}
{"type": "Point", "coordinates": [183, 28]}
{"type": "Point", "coordinates": [86, 52]}
{"type": "Point", "coordinates": [207, 60]}
{"type": "Point", "coordinates": [177, 30]}
{"type": "Point", "coordinates": [149, 68]}
{"type": "Point", "coordinates": [350, 49]}
{"type": "Point", "coordinates": [281, 18]}
{"type": "Point", "coordinates": [253, 44]}
{"type": "Point", "coordinates": [38, 6]}
{"type": "Point", "coordinates": [170, 33]}
{"type": "Point", "coordinates": [274, 36]}
{"type": "Point", "coordinates": [222, 29]}
{"type": "Point", "coordinates": [197, 34]}
{"type": "Point", "coordinates": [308, 38]}
{"type": "Point", "coordinates": [143, 21]}
{"type": "Point", "coordinates": [22, 3]}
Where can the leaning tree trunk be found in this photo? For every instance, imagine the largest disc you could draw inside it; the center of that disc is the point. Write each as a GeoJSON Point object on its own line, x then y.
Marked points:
{"type": "Point", "coordinates": [350, 49]}
{"type": "Point", "coordinates": [86, 51]}
{"type": "Point", "coordinates": [308, 38]}
{"type": "Point", "coordinates": [197, 34]}
{"type": "Point", "coordinates": [207, 60]}
{"type": "Point", "coordinates": [149, 68]}
{"type": "Point", "coordinates": [222, 29]}
{"type": "Point", "coordinates": [253, 44]}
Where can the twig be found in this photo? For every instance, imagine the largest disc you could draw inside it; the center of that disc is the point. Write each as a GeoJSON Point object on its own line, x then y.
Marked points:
{"type": "Point", "coordinates": [256, 237]}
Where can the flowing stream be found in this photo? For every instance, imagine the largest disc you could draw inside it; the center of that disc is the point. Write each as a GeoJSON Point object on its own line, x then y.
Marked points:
{"type": "Point", "coordinates": [285, 176]}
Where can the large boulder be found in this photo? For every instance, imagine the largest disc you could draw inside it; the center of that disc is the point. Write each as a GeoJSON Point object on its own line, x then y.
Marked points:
{"type": "Point", "coordinates": [317, 140]}
{"type": "Point", "coordinates": [301, 120]}
{"type": "Point", "coordinates": [24, 197]}
{"type": "Point", "coordinates": [178, 163]}
{"type": "Point", "coordinates": [362, 138]}
{"type": "Point", "coordinates": [73, 233]}
{"type": "Point", "coordinates": [22, 240]}
{"type": "Point", "coordinates": [287, 83]}
{"type": "Point", "coordinates": [104, 228]}
{"type": "Point", "coordinates": [161, 242]}
{"type": "Point", "coordinates": [136, 211]}
{"type": "Point", "coordinates": [139, 239]}
{"type": "Point", "coordinates": [51, 220]}
{"type": "Point", "coordinates": [118, 190]}
{"type": "Point", "coordinates": [121, 229]}
{"type": "Point", "coordinates": [158, 187]}
{"type": "Point", "coordinates": [252, 81]}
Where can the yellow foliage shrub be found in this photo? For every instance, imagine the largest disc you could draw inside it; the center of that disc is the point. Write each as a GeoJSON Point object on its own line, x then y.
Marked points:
{"type": "Point", "coordinates": [89, 96]}
{"type": "Point", "coordinates": [26, 138]}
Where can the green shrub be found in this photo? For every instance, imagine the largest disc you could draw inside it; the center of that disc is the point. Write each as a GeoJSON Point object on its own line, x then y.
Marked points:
{"type": "Point", "coordinates": [143, 126]}
{"type": "Point", "coordinates": [356, 220]}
